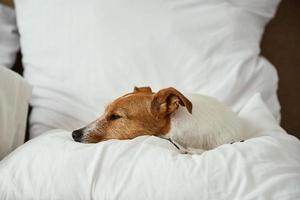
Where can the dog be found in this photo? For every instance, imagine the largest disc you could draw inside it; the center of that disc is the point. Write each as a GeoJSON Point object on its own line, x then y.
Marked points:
{"type": "Point", "coordinates": [193, 124]}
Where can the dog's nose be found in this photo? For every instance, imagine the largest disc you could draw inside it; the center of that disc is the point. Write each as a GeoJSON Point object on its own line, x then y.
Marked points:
{"type": "Point", "coordinates": [77, 135]}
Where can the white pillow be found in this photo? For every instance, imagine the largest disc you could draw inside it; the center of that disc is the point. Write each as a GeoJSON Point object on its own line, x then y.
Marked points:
{"type": "Point", "coordinates": [9, 38]}
{"type": "Point", "coordinates": [77, 53]}
{"type": "Point", "coordinates": [53, 166]}
{"type": "Point", "coordinates": [14, 98]}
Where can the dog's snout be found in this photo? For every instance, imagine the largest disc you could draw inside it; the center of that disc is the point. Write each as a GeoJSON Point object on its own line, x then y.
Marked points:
{"type": "Point", "coordinates": [77, 135]}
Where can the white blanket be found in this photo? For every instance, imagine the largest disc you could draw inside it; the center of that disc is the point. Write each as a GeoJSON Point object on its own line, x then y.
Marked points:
{"type": "Point", "coordinates": [53, 166]}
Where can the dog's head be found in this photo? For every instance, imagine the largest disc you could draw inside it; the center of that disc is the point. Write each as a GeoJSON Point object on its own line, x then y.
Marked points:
{"type": "Point", "coordinates": [141, 112]}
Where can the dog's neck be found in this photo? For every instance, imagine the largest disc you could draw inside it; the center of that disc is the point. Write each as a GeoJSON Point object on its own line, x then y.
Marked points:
{"type": "Point", "coordinates": [183, 124]}
{"type": "Point", "coordinates": [211, 124]}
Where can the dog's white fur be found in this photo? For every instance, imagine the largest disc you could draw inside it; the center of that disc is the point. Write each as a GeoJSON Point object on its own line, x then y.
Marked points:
{"type": "Point", "coordinates": [211, 124]}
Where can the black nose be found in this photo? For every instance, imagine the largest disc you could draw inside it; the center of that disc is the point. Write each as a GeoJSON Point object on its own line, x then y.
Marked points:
{"type": "Point", "coordinates": [77, 135]}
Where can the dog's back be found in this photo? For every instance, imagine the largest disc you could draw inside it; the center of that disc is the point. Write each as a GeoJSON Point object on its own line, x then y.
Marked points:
{"type": "Point", "coordinates": [211, 124]}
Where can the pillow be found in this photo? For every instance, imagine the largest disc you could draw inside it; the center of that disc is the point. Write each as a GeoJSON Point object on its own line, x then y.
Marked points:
{"type": "Point", "coordinates": [14, 98]}
{"type": "Point", "coordinates": [9, 39]}
{"type": "Point", "coordinates": [53, 166]}
{"type": "Point", "coordinates": [77, 53]}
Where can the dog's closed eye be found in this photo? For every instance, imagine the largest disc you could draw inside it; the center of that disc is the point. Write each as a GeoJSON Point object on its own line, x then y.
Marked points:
{"type": "Point", "coordinates": [114, 117]}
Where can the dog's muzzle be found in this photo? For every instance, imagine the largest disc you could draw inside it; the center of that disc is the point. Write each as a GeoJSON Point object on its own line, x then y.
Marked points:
{"type": "Point", "coordinates": [77, 135]}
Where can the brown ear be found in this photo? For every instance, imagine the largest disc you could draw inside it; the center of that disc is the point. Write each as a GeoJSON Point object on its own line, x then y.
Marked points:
{"type": "Point", "coordinates": [142, 89]}
{"type": "Point", "coordinates": [166, 101]}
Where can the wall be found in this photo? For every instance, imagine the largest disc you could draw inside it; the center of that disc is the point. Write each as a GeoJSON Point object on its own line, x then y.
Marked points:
{"type": "Point", "coordinates": [281, 45]}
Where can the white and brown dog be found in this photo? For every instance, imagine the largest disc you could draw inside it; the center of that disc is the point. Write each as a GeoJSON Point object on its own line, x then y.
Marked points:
{"type": "Point", "coordinates": [203, 125]}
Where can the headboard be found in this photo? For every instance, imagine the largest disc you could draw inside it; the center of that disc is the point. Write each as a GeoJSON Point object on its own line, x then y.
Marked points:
{"type": "Point", "coordinates": [281, 45]}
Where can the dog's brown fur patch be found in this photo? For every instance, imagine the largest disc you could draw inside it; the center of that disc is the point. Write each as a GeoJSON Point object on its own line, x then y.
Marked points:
{"type": "Point", "coordinates": [134, 115]}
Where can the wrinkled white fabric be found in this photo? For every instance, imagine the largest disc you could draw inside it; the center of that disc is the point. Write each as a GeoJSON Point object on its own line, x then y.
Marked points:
{"type": "Point", "coordinates": [9, 38]}
{"type": "Point", "coordinates": [53, 166]}
{"type": "Point", "coordinates": [77, 53]}
{"type": "Point", "coordinates": [15, 93]}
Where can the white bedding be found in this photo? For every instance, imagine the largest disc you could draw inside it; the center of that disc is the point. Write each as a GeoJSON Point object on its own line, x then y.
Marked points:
{"type": "Point", "coordinates": [9, 37]}
{"type": "Point", "coordinates": [15, 93]}
{"type": "Point", "coordinates": [83, 52]}
{"type": "Point", "coordinates": [53, 166]}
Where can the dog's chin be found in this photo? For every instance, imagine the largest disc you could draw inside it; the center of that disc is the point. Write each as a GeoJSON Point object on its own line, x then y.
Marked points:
{"type": "Point", "coordinates": [78, 140]}
{"type": "Point", "coordinates": [81, 140]}
{"type": "Point", "coordinates": [89, 141]}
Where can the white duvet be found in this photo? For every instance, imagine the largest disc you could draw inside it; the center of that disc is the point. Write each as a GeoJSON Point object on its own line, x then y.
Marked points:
{"type": "Point", "coordinates": [53, 166]}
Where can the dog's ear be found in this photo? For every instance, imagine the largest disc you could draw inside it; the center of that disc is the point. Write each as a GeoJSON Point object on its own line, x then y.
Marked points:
{"type": "Point", "coordinates": [166, 101]}
{"type": "Point", "coordinates": [142, 89]}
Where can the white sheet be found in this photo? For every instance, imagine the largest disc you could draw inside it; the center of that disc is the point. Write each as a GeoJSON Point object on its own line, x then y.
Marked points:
{"type": "Point", "coordinates": [53, 166]}
{"type": "Point", "coordinates": [15, 93]}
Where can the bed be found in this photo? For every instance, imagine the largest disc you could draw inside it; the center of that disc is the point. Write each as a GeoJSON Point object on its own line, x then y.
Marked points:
{"type": "Point", "coordinates": [53, 166]}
